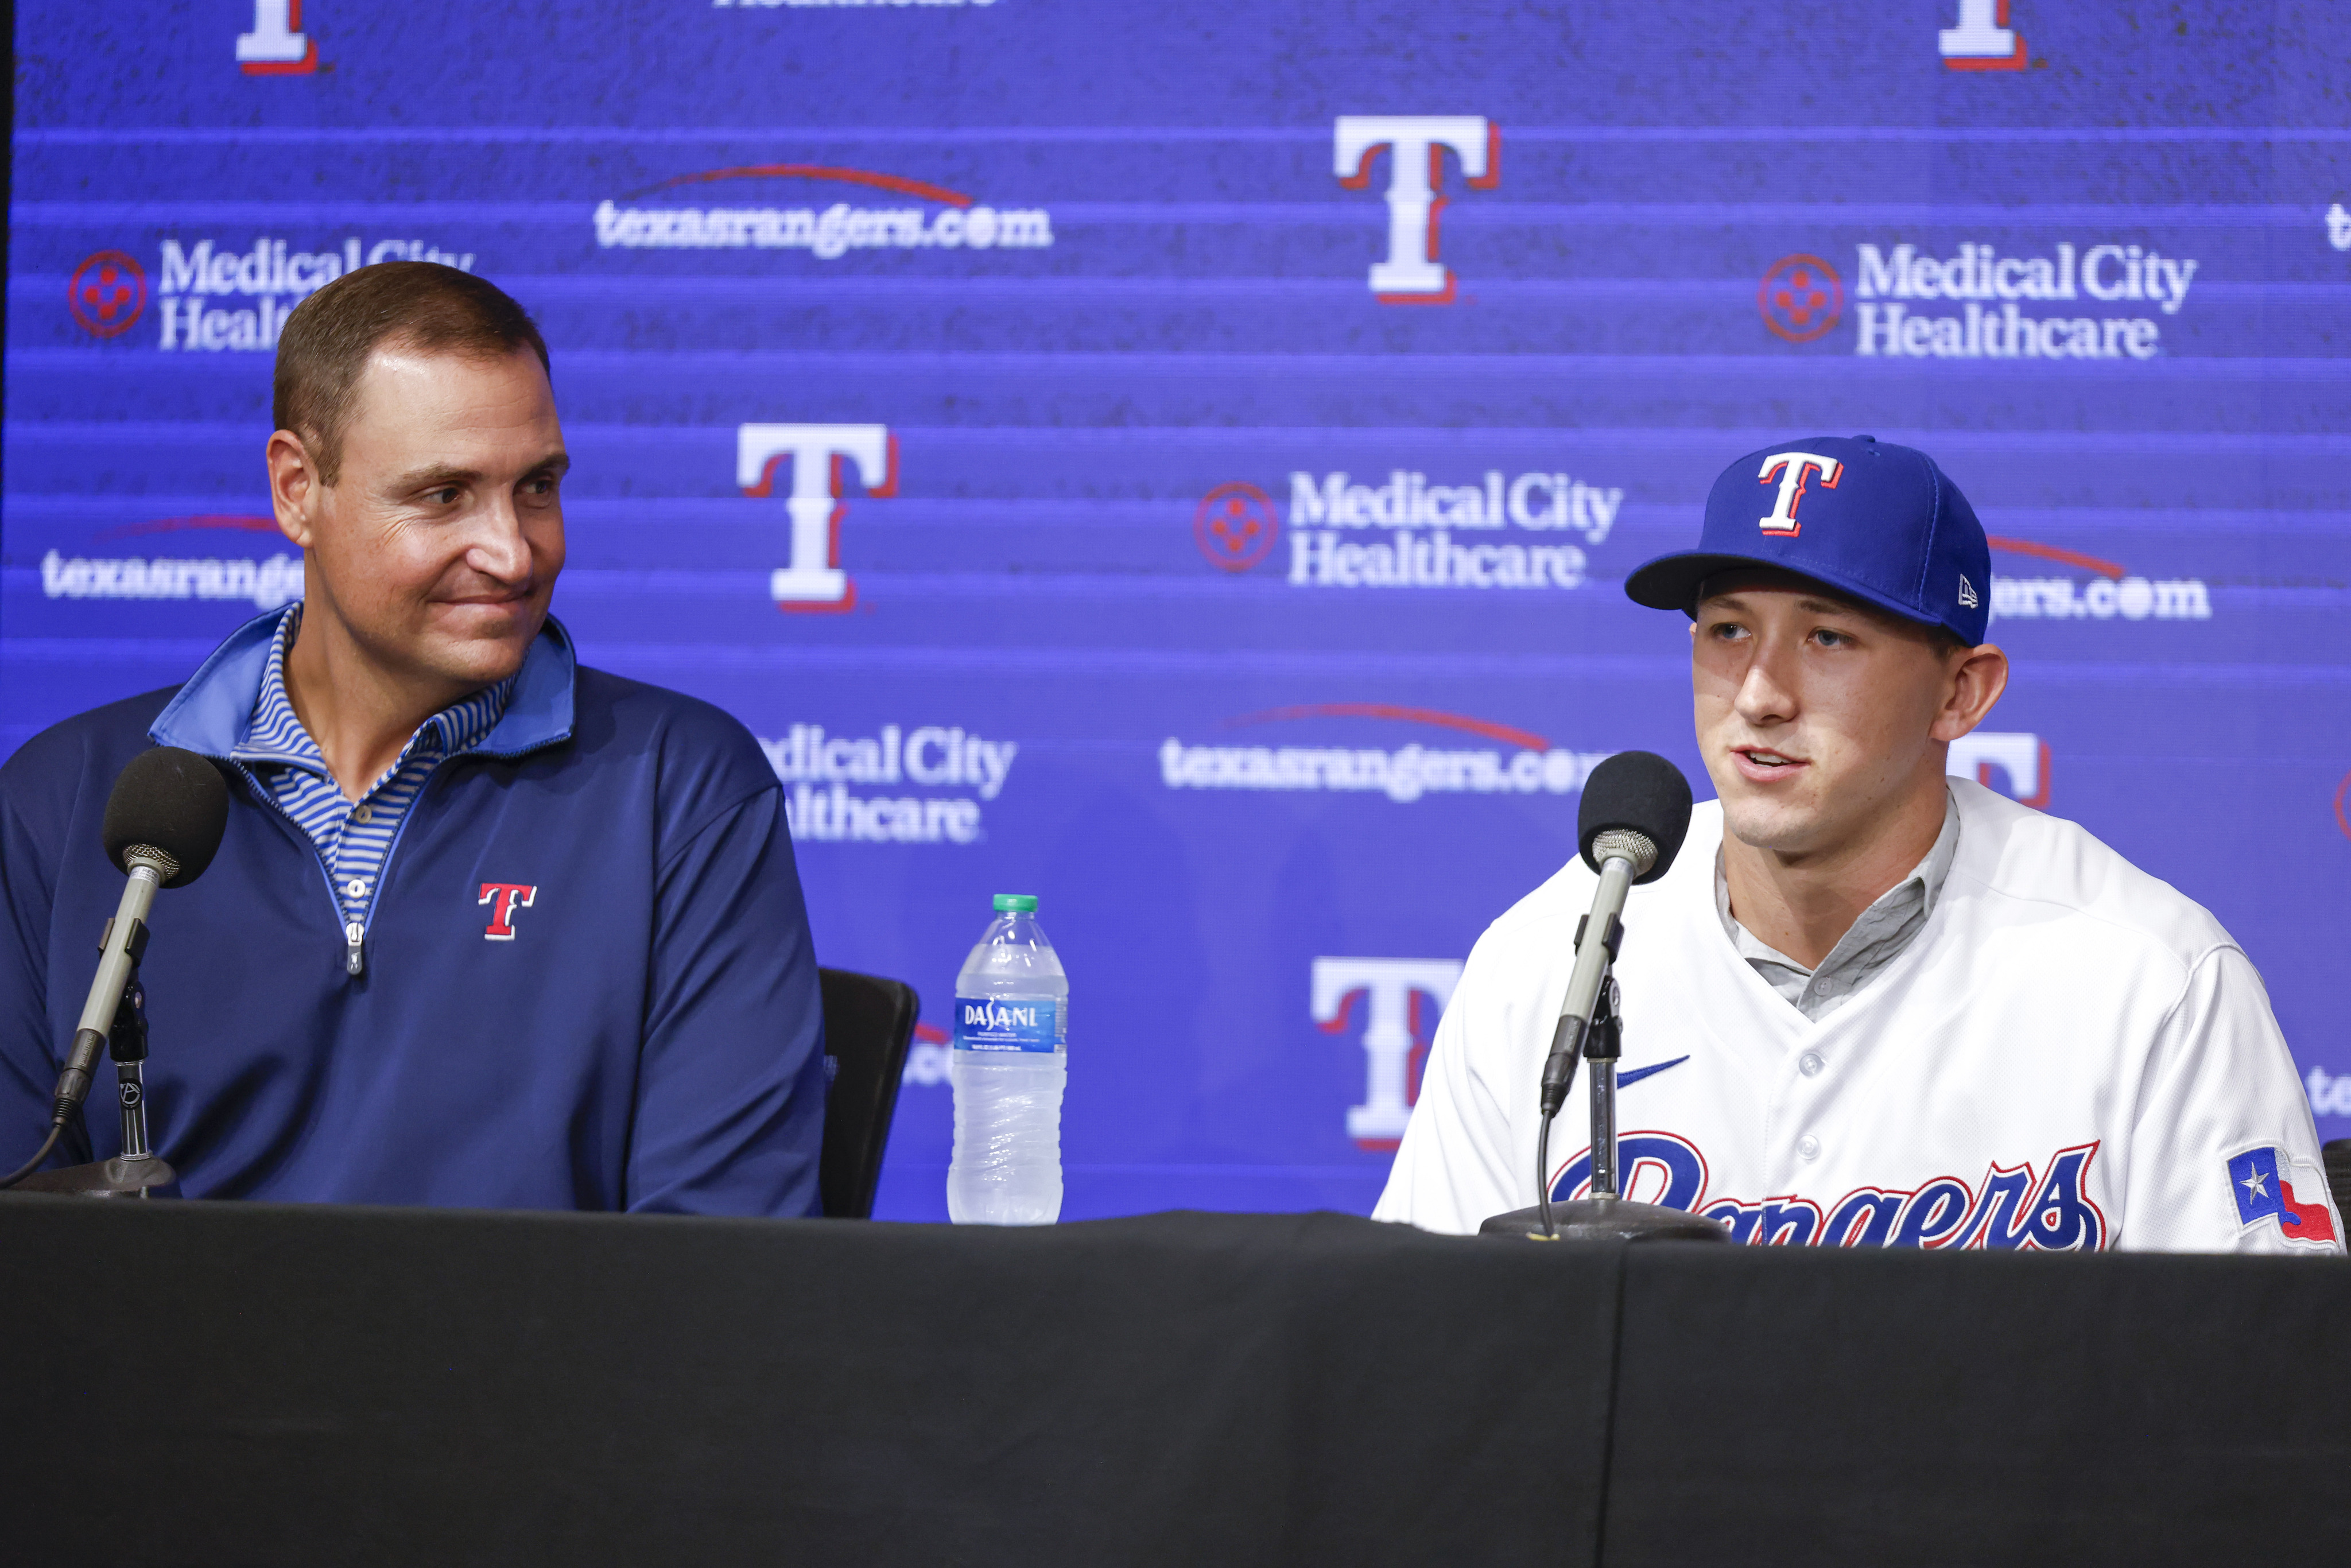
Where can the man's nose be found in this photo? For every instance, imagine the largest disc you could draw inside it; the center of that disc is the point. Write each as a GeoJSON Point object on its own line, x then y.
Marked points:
{"type": "Point", "coordinates": [498, 548]}
{"type": "Point", "coordinates": [1765, 697]}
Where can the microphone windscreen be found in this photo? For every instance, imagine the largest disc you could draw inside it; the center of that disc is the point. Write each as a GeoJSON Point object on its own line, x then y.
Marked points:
{"type": "Point", "coordinates": [174, 800]}
{"type": "Point", "coordinates": [1640, 791]}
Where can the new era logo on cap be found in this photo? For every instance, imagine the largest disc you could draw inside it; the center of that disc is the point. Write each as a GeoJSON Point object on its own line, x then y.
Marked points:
{"type": "Point", "coordinates": [1872, 520]}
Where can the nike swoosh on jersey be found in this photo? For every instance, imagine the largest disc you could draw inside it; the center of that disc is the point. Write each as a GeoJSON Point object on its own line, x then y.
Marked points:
{"type": "Point", "coordinates": [1638, 1074]}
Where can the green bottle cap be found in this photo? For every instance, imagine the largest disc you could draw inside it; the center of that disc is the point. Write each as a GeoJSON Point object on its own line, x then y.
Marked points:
{"type": "Point", "coordinates": [1012, 902]}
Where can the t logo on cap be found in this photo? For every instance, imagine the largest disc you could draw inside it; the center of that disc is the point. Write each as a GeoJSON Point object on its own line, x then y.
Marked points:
{"type": "Point", "coordinates": [1790, 468]}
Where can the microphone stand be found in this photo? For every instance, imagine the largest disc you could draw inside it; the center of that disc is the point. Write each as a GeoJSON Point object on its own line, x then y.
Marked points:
{"type": "Point", "coordinates": [1607, 1215]}
{"type": "Point", "coordinates": [138, 1170]}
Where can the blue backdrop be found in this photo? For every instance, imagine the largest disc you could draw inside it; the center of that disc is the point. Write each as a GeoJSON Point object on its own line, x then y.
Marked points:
{"type": "Point", "coordinates": [1181, 459]}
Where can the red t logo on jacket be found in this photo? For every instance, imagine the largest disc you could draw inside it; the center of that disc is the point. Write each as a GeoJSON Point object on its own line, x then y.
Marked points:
{"type": "Point", "coordinates": [505, 898]}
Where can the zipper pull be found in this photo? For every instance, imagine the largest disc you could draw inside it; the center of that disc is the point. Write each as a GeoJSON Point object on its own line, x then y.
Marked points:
{"type": "Point", "coordinates": [353, 935]}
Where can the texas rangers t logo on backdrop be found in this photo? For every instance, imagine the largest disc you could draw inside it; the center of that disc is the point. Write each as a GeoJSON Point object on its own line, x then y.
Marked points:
{"type": "Point", "coordinates": [1790, 468]}
{"type": "Point", "coordinates": [1416, 142]}
{"type": "Point", "coordinates": [1983, 41]}
{"type": "Point", "coordinates": [2023, 755]}
{"type": "Point", "coordinates": [504, 898]}
{"type": "Point", "coordinates": [814, 581]}
{"type": "Point", "coordinates": [1393, 988]}
{"type": "Point", "coordinates": [276, 46]}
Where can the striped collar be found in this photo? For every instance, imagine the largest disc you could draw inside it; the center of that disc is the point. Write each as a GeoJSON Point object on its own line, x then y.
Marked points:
{"type": "Point", "coordinates": [213, 713]}
{"type": "Point", "coordinates": [276, 734]}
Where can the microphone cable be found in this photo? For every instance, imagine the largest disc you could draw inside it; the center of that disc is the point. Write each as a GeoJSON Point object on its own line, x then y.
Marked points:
{"type": "Point", "coordinates": [29, 1167]}
{"type": "Point", "coordinates": [1542, 1175]}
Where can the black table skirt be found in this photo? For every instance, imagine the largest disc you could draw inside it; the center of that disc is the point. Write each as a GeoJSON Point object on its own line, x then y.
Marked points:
{"type": "Point", "coordinates": [249, 1384]}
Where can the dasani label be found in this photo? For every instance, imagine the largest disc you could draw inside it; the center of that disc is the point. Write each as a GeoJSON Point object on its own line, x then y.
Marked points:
{"type": "Point", "coordinates": [1002, 1023]}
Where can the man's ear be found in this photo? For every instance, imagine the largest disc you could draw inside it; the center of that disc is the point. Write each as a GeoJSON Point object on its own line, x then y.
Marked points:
{"type": "Point", "coordinates": [294, 487]}
{"type": "Point", "coordinates": [1972, 685]}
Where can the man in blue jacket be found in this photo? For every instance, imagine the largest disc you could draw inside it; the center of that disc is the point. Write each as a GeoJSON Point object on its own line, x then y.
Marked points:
{"type": "Point", "coordinates": [487, 928]}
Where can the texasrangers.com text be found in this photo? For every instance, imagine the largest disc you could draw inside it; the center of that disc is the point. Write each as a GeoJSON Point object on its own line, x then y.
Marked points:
{"type": "Point", "coordinates": [1404, 774]}
{"type": "Point", "coordinates": [2133, 599]}
{"type": "Point", "coordinates": [828, 235]}
{"type": "Point", "coordinates": [267, 583]}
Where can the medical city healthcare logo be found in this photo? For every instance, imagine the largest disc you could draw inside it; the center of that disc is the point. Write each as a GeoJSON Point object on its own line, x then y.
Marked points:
{"type": "Point", "coordinates": [947, 221]}
{"type": "Point", "coordinates": [1410, 529]}
{"type": "Point", "coordinates": [106, 294]}
{"type": "Point", "coordinates": [1415, 145]}
{"type": "Point", "coordinates": [2009, 307]}
{"type": "Point", "coordinates": [218, 297]}
{"type": "Point", "coordinates": [1801, 298]}
{"type": "Point", "coordinates": [2015, 306]}
{"type": "Point", "coordinates": [1235, 526]}
{"type": "Point", "coordinates": [959, 770]}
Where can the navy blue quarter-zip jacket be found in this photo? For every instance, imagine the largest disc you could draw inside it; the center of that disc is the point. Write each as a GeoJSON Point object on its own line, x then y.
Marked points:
{"type": "Point", "coordinates": [640, 1030]}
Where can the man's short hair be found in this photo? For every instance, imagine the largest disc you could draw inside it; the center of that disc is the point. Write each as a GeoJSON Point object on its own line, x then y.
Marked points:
{"type": "Point", "coordinates": [419, 305]}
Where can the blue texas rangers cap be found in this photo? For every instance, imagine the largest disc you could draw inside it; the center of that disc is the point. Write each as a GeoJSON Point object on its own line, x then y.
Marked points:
{"type": "Point", "coordinates": [1878, 522]}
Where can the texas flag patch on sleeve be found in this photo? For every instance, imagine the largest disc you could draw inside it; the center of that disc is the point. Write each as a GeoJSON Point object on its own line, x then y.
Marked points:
{"type": "Point", "coordinates": [2263, 1193]}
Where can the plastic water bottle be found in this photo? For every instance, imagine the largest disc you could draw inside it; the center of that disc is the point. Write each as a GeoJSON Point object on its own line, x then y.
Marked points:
{"type": "Point", "coordinates": [1009, 1066]}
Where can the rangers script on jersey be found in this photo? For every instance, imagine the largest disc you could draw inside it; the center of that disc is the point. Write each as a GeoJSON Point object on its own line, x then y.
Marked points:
{"type": "Point", "coordinates": [2069, 1054]}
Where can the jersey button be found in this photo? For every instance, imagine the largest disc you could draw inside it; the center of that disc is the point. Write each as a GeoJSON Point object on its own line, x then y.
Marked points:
{"type": "Point", "coordinates": [1823, 987]}
{"type": "Point", "coordinates": [1809, 1146]}
{"type": "Point", "coordinates": [355, 888]}
{"type": "Point", "coordinates": [362, 814]}
{"type": "Point", "coordinates": [1810, 1064]}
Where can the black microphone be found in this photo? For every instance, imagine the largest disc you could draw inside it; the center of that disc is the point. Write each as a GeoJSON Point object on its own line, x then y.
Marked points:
{"type": "Point", "coordinates": [164, 824]}
{"type": "Point", "coordinates": [1635, 814]}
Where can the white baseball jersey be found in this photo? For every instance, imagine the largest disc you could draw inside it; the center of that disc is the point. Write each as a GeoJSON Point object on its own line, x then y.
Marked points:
{"type": "Point", "coordinates": [2069, 1054]}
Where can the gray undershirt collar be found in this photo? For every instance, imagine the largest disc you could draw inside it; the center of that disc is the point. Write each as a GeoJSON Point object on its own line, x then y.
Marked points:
{"type": "Point", "coordinates": [1879, 937]}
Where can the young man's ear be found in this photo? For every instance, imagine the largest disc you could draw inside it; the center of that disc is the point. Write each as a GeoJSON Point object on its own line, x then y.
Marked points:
{"type": "Point", "coordinates": [1975, 682]}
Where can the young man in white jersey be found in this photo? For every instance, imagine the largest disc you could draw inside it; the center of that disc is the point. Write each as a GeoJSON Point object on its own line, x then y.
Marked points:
{"type": "Point", "coordinates": [1870, 1004]}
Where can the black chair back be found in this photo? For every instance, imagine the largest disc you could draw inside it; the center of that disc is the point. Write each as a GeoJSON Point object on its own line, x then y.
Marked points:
{"type": "Point", "coordinates": [2339, 1174]}
{"type": "Point", "coordinates": [867, 1022]}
